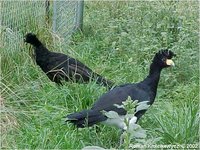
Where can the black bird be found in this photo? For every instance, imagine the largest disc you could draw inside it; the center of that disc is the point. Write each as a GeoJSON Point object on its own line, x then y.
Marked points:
{"type": "Point", "coordinates": [60, 67]}
{"type": "Point", "coordinates": [143, 91]}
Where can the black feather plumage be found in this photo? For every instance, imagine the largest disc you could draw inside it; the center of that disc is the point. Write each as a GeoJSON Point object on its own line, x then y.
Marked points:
{"type": "Point", "coordinates": [143, 91]}
{"type": "Point", "coordinates": [58, 66]}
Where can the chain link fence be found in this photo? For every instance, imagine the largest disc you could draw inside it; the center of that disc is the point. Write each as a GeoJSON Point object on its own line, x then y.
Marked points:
{"type": "Point", "coordinates": [67, 17]}
{"type": "Point", "coordinates": [19, 17]}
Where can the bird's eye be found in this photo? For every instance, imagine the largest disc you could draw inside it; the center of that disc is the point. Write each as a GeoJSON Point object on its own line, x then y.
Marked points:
{"type": "Point", "coordinates": [163, 59]}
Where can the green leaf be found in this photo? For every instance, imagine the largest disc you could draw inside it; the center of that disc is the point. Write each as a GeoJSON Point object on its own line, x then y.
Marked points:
{"type": "Point", "coordinates": [111, 114]}
{"type": "Point", "coordinates": [129, 105]}
{"type": "Point", "coordinates": [133, 127]}
{"type": "Point", "coordinates": [119, 106]}
{"type": "Point", "coordinates": [141, 133]}
{"type": "Point", "coordinates": [142, 106]}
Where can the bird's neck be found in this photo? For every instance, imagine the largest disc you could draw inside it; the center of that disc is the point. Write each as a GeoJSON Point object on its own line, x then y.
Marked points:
{"type": "Point", "coordinates": [36, 43]}
{"type": "Point", "coordinates": [153, 78]}
{"type": "Point", "coordinates": [41, 50]}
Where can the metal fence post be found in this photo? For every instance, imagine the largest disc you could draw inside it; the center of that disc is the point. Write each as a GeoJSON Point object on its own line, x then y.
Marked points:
{"type": "Point", "coordinates": [54, 16]}
{"type": "Point", "coordinates": [79, 19]}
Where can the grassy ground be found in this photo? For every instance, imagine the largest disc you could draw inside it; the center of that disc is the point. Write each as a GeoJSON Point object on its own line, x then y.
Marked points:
{"type": "Point", "coordinates": [118, 41]}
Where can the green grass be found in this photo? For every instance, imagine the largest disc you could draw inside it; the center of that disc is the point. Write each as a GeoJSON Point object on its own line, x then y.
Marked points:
{"type": "Point", "coordinates": [118, 41]}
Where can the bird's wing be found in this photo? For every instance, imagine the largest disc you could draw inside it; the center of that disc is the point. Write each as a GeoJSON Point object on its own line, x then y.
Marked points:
{"type": "Point", "coordinates": [81, 70]}
{"type": "Point", "coordinates": [118, 95]}
{"type": "Point", "coordinates": [68, 65]}
{"type": "Point", "coordinates": [57, 61]}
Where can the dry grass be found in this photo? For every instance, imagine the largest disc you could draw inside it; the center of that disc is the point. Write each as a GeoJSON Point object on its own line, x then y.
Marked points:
{"type": "Point", "coordinates": [8, 123]}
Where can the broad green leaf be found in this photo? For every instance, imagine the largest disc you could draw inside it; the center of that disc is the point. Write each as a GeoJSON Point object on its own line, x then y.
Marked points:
{"type": "Point", "coordinates": [119, 106]}
{"type": "Point", "coordinates": [141, 133]}
{"type": "Point", "coordinates": [142, 106]}
{"type": "Point", "coordinates": [111, 114]}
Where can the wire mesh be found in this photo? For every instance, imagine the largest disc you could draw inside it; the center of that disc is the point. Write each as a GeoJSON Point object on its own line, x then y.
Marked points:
{"type": "Point", "coordinates": [67, 17]}
{"type": "Point", "coordinates": [19, 17]}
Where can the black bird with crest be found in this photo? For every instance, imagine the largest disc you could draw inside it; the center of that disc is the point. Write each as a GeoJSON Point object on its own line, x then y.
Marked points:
{"type": "Point", "coordinates": [58, 66]}
{"type": "Point", "coordinates": [142, 91]}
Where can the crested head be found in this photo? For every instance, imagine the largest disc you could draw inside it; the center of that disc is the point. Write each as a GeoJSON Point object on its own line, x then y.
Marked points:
{"type": "Point", "coordinates": [32, 39]}
{"type": "Point", "coordinates": [163, 58]}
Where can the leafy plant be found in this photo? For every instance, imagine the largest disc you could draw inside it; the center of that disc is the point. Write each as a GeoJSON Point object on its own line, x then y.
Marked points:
{"type": "Point", "coordinates": [132, 131]}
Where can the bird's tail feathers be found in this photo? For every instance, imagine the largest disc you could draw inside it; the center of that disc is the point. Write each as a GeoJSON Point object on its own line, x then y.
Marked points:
{"type": "Point", "coordinates": [102, 81]}
{"type": "Point", "coordinates": [85, 118]}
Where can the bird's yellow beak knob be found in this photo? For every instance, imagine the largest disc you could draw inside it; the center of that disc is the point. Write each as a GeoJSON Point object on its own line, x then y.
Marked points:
{"type": "Point", "coordinates": [169, 62]}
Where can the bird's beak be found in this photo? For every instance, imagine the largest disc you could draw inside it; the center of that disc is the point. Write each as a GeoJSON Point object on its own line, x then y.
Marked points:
{"type": "Point", "coordinates": [169, 62]}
